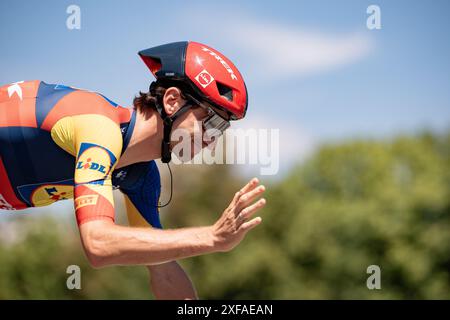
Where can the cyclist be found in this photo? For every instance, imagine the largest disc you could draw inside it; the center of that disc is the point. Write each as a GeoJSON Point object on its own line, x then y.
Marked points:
{"type": "Point", "coordinates": [59, 142]}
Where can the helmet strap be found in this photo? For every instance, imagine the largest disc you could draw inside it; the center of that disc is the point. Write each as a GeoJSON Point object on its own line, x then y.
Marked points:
{"type": "Point", "coordinates": [166, 154]}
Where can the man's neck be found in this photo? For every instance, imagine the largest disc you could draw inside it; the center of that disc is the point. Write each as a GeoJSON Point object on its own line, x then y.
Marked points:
{"type": "Point", "coordinates": [145, 142]}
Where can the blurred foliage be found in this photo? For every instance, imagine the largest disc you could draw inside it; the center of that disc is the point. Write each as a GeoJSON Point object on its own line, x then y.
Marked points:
{"type": "Point", "coordinates": [350, 206]}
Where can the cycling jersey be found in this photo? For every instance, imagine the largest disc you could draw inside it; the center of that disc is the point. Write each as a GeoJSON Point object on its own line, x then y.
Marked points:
{"type": "Point", "coordinates": [59, 142]}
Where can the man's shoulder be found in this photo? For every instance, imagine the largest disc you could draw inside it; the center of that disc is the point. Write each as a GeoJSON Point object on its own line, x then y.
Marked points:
{"type": "Point", "coordinates": [57, 101]}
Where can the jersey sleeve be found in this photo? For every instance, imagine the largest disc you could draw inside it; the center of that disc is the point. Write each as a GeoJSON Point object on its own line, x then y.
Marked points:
{"type": "Point", "coordinates": [98, 144]}
{"type": "Point", "coordinates": [141, 186]}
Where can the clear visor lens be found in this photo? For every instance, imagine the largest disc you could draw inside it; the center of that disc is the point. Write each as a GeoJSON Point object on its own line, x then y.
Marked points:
{"type": "Point", "coordinates": [216, 122]}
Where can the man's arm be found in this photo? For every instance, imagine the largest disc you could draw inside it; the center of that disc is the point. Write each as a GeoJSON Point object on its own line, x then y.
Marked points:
{"type": "Point", "coordinates": [170, 282]}
{"type": "Point", "coordinates": [106, 243]}
{"type": "Point", "coordinates": [109, 244]}
{"type": "Point", "coordinates": [141, 186]}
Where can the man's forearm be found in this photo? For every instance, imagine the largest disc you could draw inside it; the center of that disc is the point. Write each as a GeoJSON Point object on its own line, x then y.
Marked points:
{"type": "Point", "coordinates": [170, 282]}
{"type": "Point", "coordinates": [110, 244]}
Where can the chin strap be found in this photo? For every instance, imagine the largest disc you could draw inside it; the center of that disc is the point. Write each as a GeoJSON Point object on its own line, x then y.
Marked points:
{"type": "Point", "coordinates": [166, 154]}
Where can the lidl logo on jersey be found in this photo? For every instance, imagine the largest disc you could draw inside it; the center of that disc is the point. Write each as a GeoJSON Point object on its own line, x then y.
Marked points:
{"type": "Point", "coordinates": [42, 194]}
{"type": "Point", "coordinates": [89, 164]}
{"type": "Point", "coordinates": [47, 194]}
{"type": "Point", "coordinates": [94, 163]}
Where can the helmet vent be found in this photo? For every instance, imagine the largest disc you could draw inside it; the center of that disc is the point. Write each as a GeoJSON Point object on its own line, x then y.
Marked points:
{"type": "Point", "coordinates": [225, 91]}
{"type": "Point", "coordinates": [154, 64]}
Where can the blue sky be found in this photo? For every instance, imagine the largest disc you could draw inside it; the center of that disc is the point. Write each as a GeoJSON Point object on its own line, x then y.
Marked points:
{"type": "Point", "coordinates": [313, 68]}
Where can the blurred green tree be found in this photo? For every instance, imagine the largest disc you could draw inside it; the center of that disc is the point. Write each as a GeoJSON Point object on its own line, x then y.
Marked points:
{"type": "Point", "coordinates": [351, 205]}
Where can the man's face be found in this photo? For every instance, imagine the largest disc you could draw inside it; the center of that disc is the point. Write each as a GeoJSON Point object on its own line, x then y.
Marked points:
{"type": "Point", "coordinates": [189, 125]}
{"type": "Point", "coordinates": [188, 133]}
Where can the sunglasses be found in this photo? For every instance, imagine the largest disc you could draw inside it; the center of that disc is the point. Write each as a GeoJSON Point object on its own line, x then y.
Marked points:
{"type": "Point", "coordinates": [214, 124]}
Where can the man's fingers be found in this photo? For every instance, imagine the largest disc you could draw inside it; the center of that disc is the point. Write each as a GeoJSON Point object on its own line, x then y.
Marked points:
{"type": "Point", "coordinates": [247, 226]}
{"type": "Point", "coordinates": [249, 186]}
{"type": "Point", "coordinates": [246, 199]}
{"type": "Point", "coordinates": [249, 211]}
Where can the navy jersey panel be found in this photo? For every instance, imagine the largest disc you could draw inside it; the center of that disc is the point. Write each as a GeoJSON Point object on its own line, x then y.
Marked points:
{"type": "Point", "coordinates": [141, 182]}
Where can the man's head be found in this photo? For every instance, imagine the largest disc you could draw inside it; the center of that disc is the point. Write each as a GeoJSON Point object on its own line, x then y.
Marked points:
{"type": "Point", "coordinates": [194, 85]}
{"type": "Point", "coordinates": [192, 124]}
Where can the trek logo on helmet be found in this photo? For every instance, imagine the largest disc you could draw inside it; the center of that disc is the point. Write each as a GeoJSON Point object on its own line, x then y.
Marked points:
{"type": "Point", "coordinates": [204, 78]}
{"type": "Point", "coordinates": [223, 62]}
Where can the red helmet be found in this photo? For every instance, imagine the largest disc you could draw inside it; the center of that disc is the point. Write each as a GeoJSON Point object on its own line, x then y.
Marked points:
{"type": "Point", "coordinates": [202, 69]}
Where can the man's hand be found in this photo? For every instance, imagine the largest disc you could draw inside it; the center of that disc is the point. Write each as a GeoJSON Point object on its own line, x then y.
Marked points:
{"type": "Point", "coordinates": [234, 223]}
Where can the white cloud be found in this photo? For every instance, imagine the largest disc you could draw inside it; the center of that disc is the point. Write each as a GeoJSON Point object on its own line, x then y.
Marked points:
{"type": "Point", "coordinates": [284, 50]}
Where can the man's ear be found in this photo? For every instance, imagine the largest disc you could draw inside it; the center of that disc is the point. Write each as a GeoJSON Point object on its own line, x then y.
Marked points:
{"type": "Point", "coordinates": [172, 100]}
